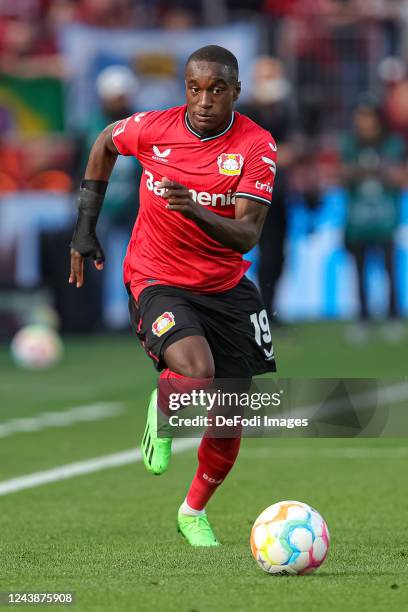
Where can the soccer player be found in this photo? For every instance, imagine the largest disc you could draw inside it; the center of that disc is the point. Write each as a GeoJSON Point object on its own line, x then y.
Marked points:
{"type": "Point", "coordinates": [206, 187]}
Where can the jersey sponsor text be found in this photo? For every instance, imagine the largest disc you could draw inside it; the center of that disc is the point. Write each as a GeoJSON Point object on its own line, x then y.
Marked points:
{"type": "Point", "coordinates": [201, 197]}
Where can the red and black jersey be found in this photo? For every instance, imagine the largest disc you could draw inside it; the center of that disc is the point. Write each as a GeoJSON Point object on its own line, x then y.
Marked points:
{"type": "Point", "coordinates": [166, 248]}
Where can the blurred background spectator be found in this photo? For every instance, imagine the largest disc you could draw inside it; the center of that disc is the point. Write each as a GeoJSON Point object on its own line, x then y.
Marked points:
{"type": "Point", "coordinates": [271, 105]}
{"type": "Point", "coordinates": [69, 67]}
{"type": "Point", "coordinates": [116, 87]}
{"type": "Point", "coordinates": [373, 174]}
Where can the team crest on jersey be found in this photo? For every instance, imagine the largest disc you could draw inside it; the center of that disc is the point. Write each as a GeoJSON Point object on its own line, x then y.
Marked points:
{"type": "Point", "coordinates": [163, 323]}
{"type": "Point", "coordinates": [230, 163]}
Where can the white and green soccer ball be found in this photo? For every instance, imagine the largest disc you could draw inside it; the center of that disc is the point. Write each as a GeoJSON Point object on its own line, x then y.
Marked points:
{"type": "Point", "coordinates": [290, 537]}
{"type": "Point", "coordinates": [36, 347]}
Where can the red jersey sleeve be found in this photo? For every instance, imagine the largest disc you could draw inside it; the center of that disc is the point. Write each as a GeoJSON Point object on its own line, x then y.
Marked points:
{"type": "Point", "coordinates": [259, 171]}
{"type": "Point", "coordinates": [126, 134]}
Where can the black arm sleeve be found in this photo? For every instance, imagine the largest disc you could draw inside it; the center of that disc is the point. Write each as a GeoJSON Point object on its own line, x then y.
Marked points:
{"type": "Point", "coordinates": [84, 239]}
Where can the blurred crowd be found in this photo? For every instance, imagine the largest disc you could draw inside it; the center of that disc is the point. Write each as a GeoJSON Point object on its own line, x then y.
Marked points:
{"type": "Point", "coordinates": [330, 83]}
{"type": "Point", "coordinates": [356, 46]}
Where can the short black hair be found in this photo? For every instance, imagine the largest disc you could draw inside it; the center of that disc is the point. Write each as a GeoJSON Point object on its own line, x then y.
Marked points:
{"type": "Point", "coordinates": [218, 55]}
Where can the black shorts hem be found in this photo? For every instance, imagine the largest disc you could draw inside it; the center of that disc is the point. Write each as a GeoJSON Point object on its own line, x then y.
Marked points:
{"type": "Point", "coordinates": [247, 371]}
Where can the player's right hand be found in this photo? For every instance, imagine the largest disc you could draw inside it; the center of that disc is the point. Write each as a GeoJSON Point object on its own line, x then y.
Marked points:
{"type": "Point", "coordinates": [77, 267]}
{"type": "Point", "coordinates": [84, 243]}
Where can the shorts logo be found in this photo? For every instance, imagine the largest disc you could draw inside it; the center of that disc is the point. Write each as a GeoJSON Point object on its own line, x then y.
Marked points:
{"type": "Point", "coordinates": [163, 323]}
{"type": "Point", "coordinates": [230, 163]}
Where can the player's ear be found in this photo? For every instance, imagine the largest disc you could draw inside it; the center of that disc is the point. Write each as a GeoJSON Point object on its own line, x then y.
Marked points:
{"type": "Point", "coordinates": [237, 90]}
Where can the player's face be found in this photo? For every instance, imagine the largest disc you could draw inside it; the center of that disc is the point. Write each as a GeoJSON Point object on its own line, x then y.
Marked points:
{"type": "Point", "coordinates": [211, 93]}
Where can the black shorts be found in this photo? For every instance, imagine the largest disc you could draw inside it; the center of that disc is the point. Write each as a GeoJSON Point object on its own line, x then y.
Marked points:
{"type": "Point", "coordinates": [234, 322]}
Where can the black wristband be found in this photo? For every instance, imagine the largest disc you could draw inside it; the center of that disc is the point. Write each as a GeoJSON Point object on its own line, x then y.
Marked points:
{"type": "Point", "coordinates": [91, 196]}
{"type": "Point", "coordinates": [84, 240]}
{"type": "Point", "coordinates": [99, 187]}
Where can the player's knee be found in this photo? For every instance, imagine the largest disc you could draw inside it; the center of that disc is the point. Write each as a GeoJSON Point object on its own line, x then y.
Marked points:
{"type": "Point", "coordinates": [190, 357]}
{"type": "Point", "coordinates": [195, 366]}
{"type": "Point", "coordinates": [199, 369]}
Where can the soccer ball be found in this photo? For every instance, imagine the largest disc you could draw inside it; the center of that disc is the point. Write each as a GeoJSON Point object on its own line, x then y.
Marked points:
{"type": "Point", "coordinates": [36, 347]}
{"type": "Point", "coordinates": [289, 537]}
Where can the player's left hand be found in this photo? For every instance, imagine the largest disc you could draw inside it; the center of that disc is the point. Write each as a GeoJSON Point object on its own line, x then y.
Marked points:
{"type": "Point", "coordinates": [179, 199]}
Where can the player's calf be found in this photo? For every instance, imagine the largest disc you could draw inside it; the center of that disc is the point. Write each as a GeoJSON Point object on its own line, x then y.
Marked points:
{"type": "Point", "coordinates": [157, 438]}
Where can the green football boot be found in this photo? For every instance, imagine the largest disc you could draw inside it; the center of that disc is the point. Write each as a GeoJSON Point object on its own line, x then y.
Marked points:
{"type": "Point", "coordinates": [197, 530]}
{"type": "Point", "coordinates": [156, 451]}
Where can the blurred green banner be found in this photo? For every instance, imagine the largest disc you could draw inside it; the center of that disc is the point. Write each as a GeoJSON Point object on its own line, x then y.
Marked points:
{"type": "Point", "coordinates": [31, 106]}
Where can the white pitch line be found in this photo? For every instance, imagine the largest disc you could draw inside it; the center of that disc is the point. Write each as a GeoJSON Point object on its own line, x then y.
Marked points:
{"type": "Point", "coordinates": [63, 418]}
{"type": "Point", "coordinates": [88, 466]}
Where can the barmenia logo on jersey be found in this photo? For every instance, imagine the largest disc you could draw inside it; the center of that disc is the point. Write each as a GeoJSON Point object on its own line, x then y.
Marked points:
{"type": "Point", "coordinates": [163, 323]}
{"type": "Point", "coordinates": [230, 163]}
{"type": "Point", "coordinates": [201, 197]}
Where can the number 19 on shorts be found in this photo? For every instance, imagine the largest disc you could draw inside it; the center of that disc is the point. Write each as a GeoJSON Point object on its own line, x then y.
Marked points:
{"type": "Point", "coordinates": [262, 332]}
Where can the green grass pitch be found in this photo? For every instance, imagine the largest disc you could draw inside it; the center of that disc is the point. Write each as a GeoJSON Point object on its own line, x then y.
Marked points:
{"type": "Point", "coordinates": [111, 536]}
